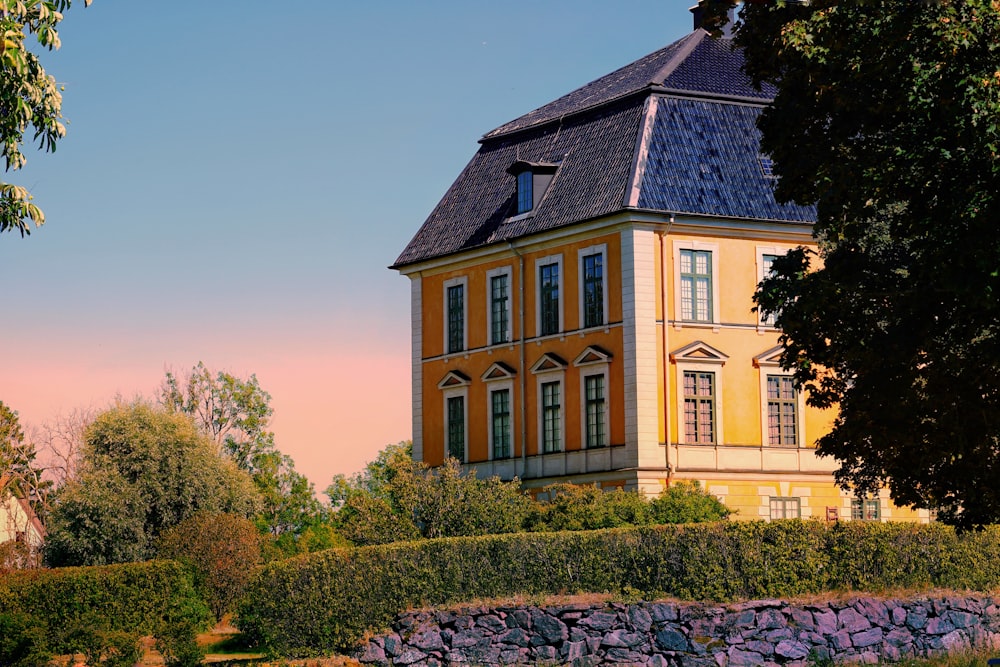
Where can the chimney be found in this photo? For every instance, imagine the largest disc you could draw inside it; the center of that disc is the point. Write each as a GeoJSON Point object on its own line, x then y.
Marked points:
{"type": "Point", "coordinates": [698, 13]}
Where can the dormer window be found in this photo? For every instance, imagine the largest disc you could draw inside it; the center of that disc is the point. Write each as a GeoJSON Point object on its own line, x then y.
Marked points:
{"type": "Point", "coordinates": [525, 199]}
{"type": "Point", "coordinates": [533, 179]}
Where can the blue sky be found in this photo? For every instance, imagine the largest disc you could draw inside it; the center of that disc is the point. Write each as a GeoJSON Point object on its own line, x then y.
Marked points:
{"type": "Point", "coordinates": [237, 176]}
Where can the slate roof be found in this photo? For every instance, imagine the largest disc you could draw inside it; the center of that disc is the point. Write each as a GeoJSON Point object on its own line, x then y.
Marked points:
{"type": "Point", "coordinates": [701, 155]}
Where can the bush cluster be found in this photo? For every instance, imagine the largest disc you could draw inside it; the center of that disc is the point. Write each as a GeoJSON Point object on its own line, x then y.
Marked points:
{"type": "Point", "coordinates": [100, 612]}
{"type": "Point", "coordinates": [325, 602]}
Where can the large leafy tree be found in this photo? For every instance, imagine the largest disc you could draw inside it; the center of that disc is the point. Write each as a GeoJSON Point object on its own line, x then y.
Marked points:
{"type": "Point", "coordinates": [30, 100]}
{"type": "Point", "coordinates": [887, 116]}
{"type": "Point", "coordinates": [142, 471]}
{"type": "Point", "coordinates": [236, 414]}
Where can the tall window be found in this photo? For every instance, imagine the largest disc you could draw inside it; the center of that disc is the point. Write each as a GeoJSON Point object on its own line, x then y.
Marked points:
{"type": "Point", "coordinates": [456, 318]}
{"type": "Point", "coordinates": [551, 409]}
{"type": "Point", "coordinates": [456, 427]}
{"type": "Point", "coordinates": [499, 301]}
{"type": "Point", "coordinates": [699, 407]}
{"type": "Point", "coordinates": [782, 411]}
{"type": "Point", "coordinates": [525, 196]}
{"type": "Point", "coordinates": [500, 409]}
{"type": "Point", "coordinates": [596, 428]}
{"type": "Point", "coordinates": [785, 508]}
{"type": "Point", "coordinates": [548, 282]}
{"type": "Point", "coordinates": [766, 262]}
{"type": "Point", "coordinates": [866, 509]}
{"type": "Point", "coordinates": [696, 285]}
{"type": "Point", "coordinates": [593, 290]}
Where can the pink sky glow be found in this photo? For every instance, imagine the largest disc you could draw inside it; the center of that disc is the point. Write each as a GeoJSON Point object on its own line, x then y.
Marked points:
{"type": "Point", "coordinates": [335, 404]}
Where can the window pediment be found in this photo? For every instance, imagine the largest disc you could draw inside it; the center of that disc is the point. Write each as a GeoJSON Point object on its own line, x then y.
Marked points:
{"type": "Point", "coordinates": [454, 379]}
{"type": "Point", "coordinates": [700, 352]}
{"type": "Point", "coordinates": [771, 357]}
{"type": "Point", "coordinates": [592, 355]}
{"type": "Point", "coordinates": [498, 371]}
{"type": "Point", "coordinates": [548, 363]}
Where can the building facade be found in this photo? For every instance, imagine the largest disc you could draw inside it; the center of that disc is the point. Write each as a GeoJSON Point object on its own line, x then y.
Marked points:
{"type": "Point", "coordinates": [582, 298]}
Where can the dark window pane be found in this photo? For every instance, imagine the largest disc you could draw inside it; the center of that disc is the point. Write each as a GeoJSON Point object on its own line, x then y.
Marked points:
{"type": "Point", "coordinates": [593, 290]}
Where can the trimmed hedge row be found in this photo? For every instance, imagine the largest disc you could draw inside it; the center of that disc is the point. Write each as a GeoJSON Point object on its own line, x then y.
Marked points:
{"type": "Point", "coordinates": [150, 598]}
{"type": "Point", "coordinates": [325, 602]}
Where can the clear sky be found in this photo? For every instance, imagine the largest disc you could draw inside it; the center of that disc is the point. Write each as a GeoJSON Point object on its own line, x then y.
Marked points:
{"type": "Point", "coordinates": [237, 176]}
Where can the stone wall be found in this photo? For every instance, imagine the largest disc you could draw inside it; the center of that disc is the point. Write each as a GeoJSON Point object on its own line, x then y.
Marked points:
{"type": "Point", "coordinates": [762, 633]}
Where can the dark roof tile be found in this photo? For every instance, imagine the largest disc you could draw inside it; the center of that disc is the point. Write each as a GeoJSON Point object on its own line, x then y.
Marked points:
{"type": "Point", "coordinates": [704, 159]}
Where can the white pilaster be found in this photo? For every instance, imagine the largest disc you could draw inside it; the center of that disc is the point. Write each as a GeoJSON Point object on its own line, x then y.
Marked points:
{"type": "Point", "coordinates": [639, 323]}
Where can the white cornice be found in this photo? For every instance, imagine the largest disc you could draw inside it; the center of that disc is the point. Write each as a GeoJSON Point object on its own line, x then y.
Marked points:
{"type": "Point", "coordinates": [781, 231]}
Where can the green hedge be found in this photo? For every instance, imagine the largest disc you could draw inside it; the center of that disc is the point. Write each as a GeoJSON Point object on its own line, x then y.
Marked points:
{"type": "Point", "coordinates": [325, 602]}
{"type": "Point", "coordinates": [150, 598]}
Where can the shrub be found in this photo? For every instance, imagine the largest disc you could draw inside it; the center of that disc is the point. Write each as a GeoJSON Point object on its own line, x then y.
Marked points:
{"type": "Point", "coordinates": [22, 640]}
{"type": "Point", "coordinates": [133, 599]}
{"type": "Point", "coordinates": [222, 550]}
{"type": "Point", "coordinates": [325, 602]}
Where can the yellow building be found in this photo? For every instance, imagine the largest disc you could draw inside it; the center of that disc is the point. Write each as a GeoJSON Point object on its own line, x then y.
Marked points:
{"type": "Point", "coordinates": [582, 298]}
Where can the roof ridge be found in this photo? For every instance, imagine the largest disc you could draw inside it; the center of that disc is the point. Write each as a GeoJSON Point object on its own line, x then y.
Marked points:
{"type": "Point", "coordinates": [691, 42]}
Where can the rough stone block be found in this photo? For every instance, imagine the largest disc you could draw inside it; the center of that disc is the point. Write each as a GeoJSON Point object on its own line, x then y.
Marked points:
{"type": "Point", "coordinates": [671, 639]}
{"type": "Point", "coordinates": [939, 625]}
{"type": "Point", "coordinates": [393, 645]}
{"type": "Point", "coordinates": [663, 612]}
{"type": "Point", "coordinates": [515, 636]}
{"type": "Point", "coordinates": [373, 655]}
{"type": "Point", "coordinates": [518, 618]}
{"type": "Point", "coordinates": [841, 641]}
{"type": "Point", "coordinates": [741, 658]}
{"type": "Point", "coordinates": [427, 640]}
{"type": "Point", "coordinates": [545, 653]}
{"type": "Point", "coordinates": [898, 637]}
{"type": "Point", "coordinates": [802, 618]}
{"type": "Point", "coordinates": [898, 615]}
{"type": "Point", "coordinates": [758, 646]}
{"type": "Point", "coordinates": [640, 619]}
{"type": "Point", "coordinates": [549, 628]}
{"type": "Point", "coordinates": [850, 620]}
{"type": "Point", "coordinates": [600, 620]}
{"type": "Point", "coordinates": [791, 650]}
{"type": "Point", "coordinates": [963, 619]}
{"type": "Point", "coordinates": [826, 622]}
{"type": "Point", "coordinates": [867, 637]}
{"type": "Point", "coordinates": [916, 618]}
{"type": "Point", "coordinates": [491, 623]}
{"type": "Point", "coordinates": [409, 656]}
{"type": "Point", "coordinates": [770, 619]}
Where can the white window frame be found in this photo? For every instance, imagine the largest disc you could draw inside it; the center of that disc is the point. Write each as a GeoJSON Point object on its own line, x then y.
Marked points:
{"type": "Point", "coordinates": [601, 249]}
{"type": "Point", "coordinates": [587, 369]}
{"type": "Point", "coordinates": [762, 324]}
{"type": "Point", "coordinates": [784, 500]}
{"type": "Point", "coordinates": [707, 366]}
{"type": "Point", "coordinates": [490, 275]}
{"type": "Point", "coordinates": [701, 246]}
{"type": "Point", "coordinates": [500, 385]}
{"type": "Point", "coordinates": [453, 282]}
{"type": "Point", "coordinates": [539, 263]}
{"type": "Point", "coordinates": [773, 368]}
{"type": "Point", "coordinates": [545, 377]}
{"type": "Point", "coordinates": [463, 393]}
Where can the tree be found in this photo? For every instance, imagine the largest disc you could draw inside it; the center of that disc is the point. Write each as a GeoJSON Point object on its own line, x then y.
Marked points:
{"type": "Point", "coordinates": [142, 470]}
{"type": "Point", "coordinates": [396, 498]}
{"type": "Point", "coordinates": [236, 414]}
{"type": "Point", "coordinates": [886, 117]}
{"type": "Point", "coordinates": [19, 475]}
{"type": "Point", "coordinates": [222, 550]}
{"type": "Point", "coordinates": [29, 99]}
